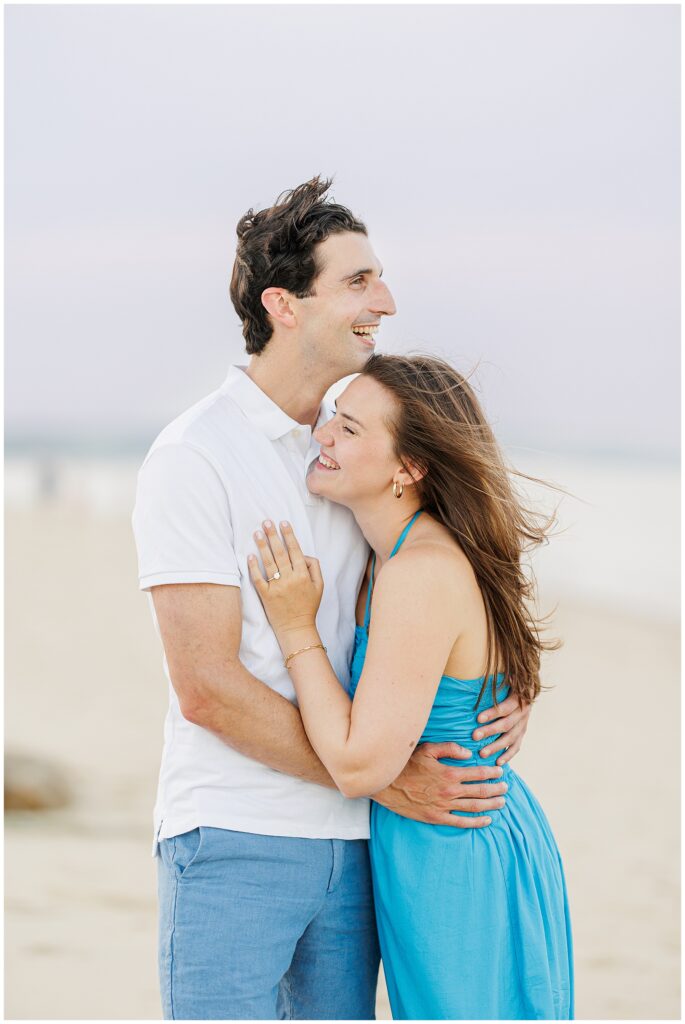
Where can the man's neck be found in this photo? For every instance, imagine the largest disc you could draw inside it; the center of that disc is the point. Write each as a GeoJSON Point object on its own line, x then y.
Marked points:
{"type": "Point", "coordinates": [289, 386]}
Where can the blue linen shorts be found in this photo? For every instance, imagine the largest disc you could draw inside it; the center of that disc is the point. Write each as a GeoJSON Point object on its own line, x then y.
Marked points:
{"type": "Point", "coordinates": [257, 927]}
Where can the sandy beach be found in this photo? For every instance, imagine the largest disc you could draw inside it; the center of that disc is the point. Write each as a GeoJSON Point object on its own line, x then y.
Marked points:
{"type": "Point", "coordinates": [84, 688]}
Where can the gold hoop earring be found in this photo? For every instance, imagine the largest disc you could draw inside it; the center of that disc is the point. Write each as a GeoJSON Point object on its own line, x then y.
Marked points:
{"type": "Point", "coordinates": [395, 491]}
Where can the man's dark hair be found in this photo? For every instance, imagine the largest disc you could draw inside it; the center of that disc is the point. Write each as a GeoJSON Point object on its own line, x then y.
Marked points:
{"type": "Point", "coordinates": [276, 250]}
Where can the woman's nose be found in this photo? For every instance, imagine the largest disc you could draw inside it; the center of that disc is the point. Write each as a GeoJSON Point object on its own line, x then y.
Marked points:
{"type": "Point", "coordinates": [324, 434]}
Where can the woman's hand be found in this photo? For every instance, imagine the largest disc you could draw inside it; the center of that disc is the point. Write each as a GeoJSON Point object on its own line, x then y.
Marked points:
{"type": "Point", "coordinates": [291, 599]}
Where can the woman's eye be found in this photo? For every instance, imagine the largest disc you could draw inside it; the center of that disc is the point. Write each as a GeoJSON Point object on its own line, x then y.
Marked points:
{"type": "Point", "coordinates": [348, 430]}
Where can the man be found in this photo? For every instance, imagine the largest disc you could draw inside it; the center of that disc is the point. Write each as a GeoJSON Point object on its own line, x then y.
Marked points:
{"type": "Point", "coordinates": [266, 907]}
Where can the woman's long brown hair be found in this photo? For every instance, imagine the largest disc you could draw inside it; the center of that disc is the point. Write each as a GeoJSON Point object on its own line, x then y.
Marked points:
{"type": "Point", "coordinates": [440, 427]}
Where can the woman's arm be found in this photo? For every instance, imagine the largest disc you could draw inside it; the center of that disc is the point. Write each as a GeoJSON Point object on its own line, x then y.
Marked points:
{"type": "Point", "coordinates": [365, 744]}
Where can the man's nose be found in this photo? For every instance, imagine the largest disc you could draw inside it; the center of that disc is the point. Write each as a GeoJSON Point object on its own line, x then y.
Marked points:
{"type": "Point", "coordinates": [382, 301]}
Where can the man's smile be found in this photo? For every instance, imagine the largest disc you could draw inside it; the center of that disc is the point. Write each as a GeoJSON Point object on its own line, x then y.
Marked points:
{"type": "Point", "coordinates": [366, 332]}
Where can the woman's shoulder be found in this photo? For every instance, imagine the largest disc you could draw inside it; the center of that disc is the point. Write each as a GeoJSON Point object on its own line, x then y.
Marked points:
{"type": "Point", "coordinates": [422, 595]}
{"type": "Point", "coordinates": [435, 545]}
{"type": "Point", "coordinates": [433, 561]}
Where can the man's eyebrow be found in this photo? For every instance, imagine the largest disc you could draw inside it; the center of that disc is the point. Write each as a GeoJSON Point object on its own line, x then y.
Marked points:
{"type": "Point", "coordinates": [347, 416]}
{"type": "Point", "coordinates": [358, 273]}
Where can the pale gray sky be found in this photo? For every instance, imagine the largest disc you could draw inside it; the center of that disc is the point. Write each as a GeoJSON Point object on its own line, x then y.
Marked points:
{"type": "Point", "coordinates": [518, 169]}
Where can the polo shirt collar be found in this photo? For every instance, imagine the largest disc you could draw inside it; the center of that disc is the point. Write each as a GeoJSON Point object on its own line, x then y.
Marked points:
{"type": "Point", "coordinates": [260, 410]}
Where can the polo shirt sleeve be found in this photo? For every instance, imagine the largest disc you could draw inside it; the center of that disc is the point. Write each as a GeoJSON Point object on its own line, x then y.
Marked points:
{"type": "Point", "coordinates": [182, 521]}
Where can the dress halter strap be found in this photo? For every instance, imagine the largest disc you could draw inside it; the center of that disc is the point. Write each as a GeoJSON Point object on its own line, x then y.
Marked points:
{"type": "Point", "coordinates": [405, 531]}
{"type": "Point", "coordinates": [400, 541]}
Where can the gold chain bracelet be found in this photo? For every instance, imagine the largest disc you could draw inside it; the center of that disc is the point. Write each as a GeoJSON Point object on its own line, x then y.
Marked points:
{"type": "Point", "coordinates": [312, 647]}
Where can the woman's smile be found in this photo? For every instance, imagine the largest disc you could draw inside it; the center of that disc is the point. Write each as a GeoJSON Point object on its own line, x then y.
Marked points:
{"type": "Point", "coordinates": [326, 463]}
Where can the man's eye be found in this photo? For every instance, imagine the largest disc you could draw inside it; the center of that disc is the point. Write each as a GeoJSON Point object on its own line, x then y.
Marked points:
{"type": "Point", "coordinates": [357, 280]}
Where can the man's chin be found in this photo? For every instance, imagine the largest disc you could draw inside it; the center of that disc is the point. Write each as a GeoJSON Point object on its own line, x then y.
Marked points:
{"type": "Point", "coordinates": [364, 355]}
{"type": "Point", "coordinates": [358, 359]}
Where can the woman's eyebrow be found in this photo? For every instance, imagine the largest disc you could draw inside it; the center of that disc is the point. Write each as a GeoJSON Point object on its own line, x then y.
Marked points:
{"type": "Point", "coordinates": [347, 416]}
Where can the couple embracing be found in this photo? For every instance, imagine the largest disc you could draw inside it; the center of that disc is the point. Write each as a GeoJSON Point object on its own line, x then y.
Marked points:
{"type": "Point", "coordinates": [352, 659]}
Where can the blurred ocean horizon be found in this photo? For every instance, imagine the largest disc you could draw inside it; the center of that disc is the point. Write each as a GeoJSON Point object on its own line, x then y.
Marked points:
{"type": "Point", "coordinates": [116, 445]}
{"type": "Point", "coordinates": [616, 545]}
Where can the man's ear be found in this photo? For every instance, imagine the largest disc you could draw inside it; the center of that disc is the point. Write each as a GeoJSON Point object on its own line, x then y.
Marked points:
{"type": "Point", "coordinates": [276, 302]}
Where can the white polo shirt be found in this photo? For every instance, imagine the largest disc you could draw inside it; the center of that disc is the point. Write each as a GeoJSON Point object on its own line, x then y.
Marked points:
{"type": "Point", "coordinates": [209, 480]}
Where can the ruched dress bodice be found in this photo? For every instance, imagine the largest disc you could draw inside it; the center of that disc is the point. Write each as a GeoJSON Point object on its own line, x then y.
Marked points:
{"type": "Point", "coordinates": [473, 923]}
{"type": "Point", "coordinates": [454, 715]}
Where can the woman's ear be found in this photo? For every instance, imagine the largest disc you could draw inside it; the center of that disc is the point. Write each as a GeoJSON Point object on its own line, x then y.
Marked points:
{"type": "Point", "coordinates": [410, 472]}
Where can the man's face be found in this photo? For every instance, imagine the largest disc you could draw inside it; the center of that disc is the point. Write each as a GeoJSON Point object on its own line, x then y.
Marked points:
{"type": "Point", "coordinates": [337, 324]}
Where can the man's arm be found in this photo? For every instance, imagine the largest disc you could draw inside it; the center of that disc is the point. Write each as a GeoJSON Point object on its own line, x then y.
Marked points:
{"type": "Point", "coordinates": [201, 627]}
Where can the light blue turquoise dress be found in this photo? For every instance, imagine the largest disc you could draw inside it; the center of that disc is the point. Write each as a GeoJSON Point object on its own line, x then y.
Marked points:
{"type": "Point", "coordinates": [473, 923]}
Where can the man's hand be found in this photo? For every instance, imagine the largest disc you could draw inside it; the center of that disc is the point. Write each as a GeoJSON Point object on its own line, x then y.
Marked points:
{"type": "Point", "coordinates": [508, 719]}
{"type": "Point", "coordinates": [429, 791]}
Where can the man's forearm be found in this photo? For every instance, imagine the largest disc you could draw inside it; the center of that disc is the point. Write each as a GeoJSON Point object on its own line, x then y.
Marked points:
{"type": "Point", "coordinates": [258, 722]}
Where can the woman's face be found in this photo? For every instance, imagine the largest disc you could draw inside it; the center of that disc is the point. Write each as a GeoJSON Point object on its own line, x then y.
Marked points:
{"type": "Point", "coordinates": [357, 460]}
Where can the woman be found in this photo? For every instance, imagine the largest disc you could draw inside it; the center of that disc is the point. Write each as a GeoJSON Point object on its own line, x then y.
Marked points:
{"type": "Point", "coordinates": [473, 923]}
